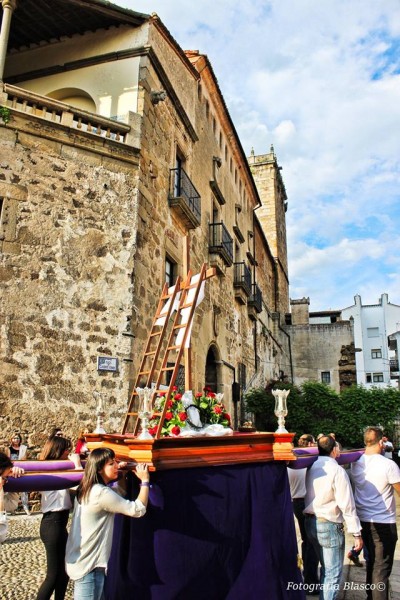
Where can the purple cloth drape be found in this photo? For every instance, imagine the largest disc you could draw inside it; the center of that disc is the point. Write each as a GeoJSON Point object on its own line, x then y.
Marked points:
{"type": "Point", "coordinates": [216, 533]}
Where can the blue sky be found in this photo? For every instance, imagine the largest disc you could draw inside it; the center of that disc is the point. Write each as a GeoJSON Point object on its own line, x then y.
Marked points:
{"type": "Point", "coordinates": [320, 80]}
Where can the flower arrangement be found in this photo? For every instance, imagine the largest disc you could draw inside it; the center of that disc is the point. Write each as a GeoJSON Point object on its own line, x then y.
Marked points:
{"type": "Point", "coordinates": [209, 404]}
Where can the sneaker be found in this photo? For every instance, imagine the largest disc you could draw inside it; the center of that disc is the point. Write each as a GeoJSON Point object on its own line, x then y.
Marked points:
{"type": "Point", "coordinates": [354, 559]}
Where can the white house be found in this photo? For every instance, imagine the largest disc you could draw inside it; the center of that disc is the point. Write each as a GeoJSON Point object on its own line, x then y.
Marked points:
{"type": "Point", "coordinates": [372, 324]}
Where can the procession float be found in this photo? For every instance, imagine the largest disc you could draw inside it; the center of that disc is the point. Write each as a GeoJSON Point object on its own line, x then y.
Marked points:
{"type": "Point", "coordinates": [220, 516]}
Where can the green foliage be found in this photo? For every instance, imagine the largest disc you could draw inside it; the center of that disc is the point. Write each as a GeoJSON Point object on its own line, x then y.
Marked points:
{"type": "Point", "coordinates": [5, 114]}
{"type": "Point", "coordinates": [317, 408]}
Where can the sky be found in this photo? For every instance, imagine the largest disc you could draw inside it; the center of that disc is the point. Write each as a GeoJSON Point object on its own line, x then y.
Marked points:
{"type": "Point", "coordinates": [320, 80]}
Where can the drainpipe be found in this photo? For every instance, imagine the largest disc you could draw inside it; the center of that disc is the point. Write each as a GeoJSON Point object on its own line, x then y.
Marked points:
{"type": "Point", "coordinates": [8, 8]}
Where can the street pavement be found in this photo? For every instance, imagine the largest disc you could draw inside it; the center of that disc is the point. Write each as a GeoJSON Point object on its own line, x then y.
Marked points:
{"type": "Point", "coordinates": [353, 579]}
{"type": "Point", "coordinates": [23, 565]}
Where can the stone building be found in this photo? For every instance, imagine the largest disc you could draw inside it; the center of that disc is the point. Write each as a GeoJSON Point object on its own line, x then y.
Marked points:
{"type": "Point", "coordinates": [322, 346]}
{"type": "Point", "coordinates": [120, 168]}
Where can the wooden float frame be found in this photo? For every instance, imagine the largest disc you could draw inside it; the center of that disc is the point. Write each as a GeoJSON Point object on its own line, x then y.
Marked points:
{"type": "Point", "coordinates": [190, 452]}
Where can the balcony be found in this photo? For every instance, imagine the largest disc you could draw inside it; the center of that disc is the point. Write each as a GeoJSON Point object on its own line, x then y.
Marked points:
{"type": "Point", "coordinates": [63, 123]}
{"type": "Point", "coordinates": [220, 247]}
{"type": "Point", "coordinates": [242, 282]}
{"type": "Point", "coordinates": [184, 199]}
{"type": "Point", "coordinates": [254, 303]}
{"type": "Point", "coordinates": [394, 365]}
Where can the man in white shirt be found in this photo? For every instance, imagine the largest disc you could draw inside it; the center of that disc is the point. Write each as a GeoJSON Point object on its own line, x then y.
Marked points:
{"type": "Point", "coordinates": [375, 478]}
{"type": "Point", "coordinates": [329, 502]}
{"type": "Point", "coordinates": [297, 482]}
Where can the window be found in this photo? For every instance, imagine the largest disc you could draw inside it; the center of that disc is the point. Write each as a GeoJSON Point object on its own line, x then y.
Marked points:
{"type": "Point", "coordinates": [377, 377]}
{"type": "Point", "coordinates": [372, 332]}
{"type": "Point", "coordinates": [220, 140]}
{"type": "Point", "coordinates": [242, 376]}
{"type": "Point", "coordinates": [214, 125]}
{"type": "Point", "coordinates": [325, 376]}
{"type": "Point", "coordinates": [170, 271]}
{"type": "Point", "coordinates": [179, 165]}
{"type": "Point", "coordinates": [376, 353]}
{"type": "Point", "coordinates": [368, 378]}
{"type": "Point", "coordinates": [207, 109]}
{"type": "Point", "coordinates": [215, 214]}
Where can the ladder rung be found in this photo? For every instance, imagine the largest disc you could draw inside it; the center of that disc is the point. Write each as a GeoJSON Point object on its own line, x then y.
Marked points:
{"type": "Point", "coordinates": [132, 414]}
{"type": "Point", "coordinates": [155, 333]}
{"type": "Point", "coordinates": [173, 347]}
{"type": "Point", "coordinates": [188, 305]}
{"type": "Point", "coordinates": [193, 285]}
{"type": "Point", "coordinates": [180, 326]}
{"type": "Point", "coordinates": [168, 368]}
{"type": "Point", "coordinates": [143, 373]}
{"type": "Point", "coordinates": [149, 353]}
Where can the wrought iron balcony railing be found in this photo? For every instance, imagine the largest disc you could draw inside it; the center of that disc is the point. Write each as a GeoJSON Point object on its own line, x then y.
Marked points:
{"type": "Point", "coordinates": [242, 277]}
{"type": "Point", "coordinates": [255, 298]}
{"type": "Point", "coordinates": [220, 242]}
{"type": "Point", "coordinates": [394, 364]}
{"type": "Point", "coordinates": [183, 195]}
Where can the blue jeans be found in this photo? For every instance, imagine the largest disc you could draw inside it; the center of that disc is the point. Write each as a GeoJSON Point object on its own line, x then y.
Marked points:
{"type": "Point", "coordinates": [91, 586]}
{"type": "Point", "coordinates": [328, 541]}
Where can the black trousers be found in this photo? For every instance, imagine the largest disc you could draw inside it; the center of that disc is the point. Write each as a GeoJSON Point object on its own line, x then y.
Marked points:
{"type": "Point", "coordinates": [53, 533]}
{"type": "Point", "coordinates": [380, 540]}
{"type": "Point", "coordinates": [308, 554]}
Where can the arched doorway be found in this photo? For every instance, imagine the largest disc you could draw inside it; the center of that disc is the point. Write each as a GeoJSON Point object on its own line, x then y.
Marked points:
{"type": "Point", "coordinates": [211, 374]}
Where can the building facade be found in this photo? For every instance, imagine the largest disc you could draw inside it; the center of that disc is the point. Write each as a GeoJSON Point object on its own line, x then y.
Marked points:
{"type": "Point", "coordinates": [373, 324]}
{"type": "Point", "coordinates": [120, 169]}
{"type": "Point", "coordinates": [322, 346]}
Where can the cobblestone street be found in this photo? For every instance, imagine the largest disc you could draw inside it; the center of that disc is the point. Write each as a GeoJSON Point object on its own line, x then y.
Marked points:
{"type": "Point", "coordinates": [23, 564]}
{"type": "Point", "coordinates": [23, 560]}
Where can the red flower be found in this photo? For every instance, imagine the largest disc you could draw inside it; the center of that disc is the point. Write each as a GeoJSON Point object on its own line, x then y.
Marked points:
{"type": "Point", "coordinates": [168, 415]}
{"type": "Point", "coordinates": [182, 416]}
{"type": "Point", "coordinates": [169, 403]}
{"type": "Point", "coordinates": [207, 389]}
{"type": "Point", "coordinates": [162, 393]}
{"type": "Point", "coordinates": [174, 388]}
{"type": "Point", "coordinates": [217, 409]}
{"type": "Point", "coordinates": [153, 430]}
{"type": "Point", "coordinates": [199, 395]}
{"type": "Point", "coordinates": [178, 396]}
{"type": "Point", "coordinates": [176, 430]}
{"type": "Point", "coordinates": [211, 394]}
{"type": "Point", "coordinates": [226, 416]}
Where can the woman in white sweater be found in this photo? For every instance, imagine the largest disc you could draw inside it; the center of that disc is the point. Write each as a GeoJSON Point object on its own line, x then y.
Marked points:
{"type": "Point", "coordinates": [90, 537]}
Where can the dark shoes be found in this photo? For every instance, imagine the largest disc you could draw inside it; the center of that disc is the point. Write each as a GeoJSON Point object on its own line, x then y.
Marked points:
{"type": "Point", "coordinates": [353, 557]}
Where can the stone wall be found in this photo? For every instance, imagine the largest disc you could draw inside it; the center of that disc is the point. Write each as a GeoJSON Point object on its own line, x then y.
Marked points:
{"type": "Point", "coordinates": [66, 281]}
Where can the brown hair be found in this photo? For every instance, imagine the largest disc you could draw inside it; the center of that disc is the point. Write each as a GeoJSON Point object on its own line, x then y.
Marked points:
{"type": "Point", "coordinates": [95, 463]}
{"type": "Point", "coordinates": [5, 463]}
{"type": "Point", "coordinates": [372, 436]}
{"type": "Point", "coordinates": [54, 448]}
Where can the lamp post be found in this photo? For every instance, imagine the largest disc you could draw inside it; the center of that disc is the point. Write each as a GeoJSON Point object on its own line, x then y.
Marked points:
{"type": "Point", "coordinates": [281, 409]}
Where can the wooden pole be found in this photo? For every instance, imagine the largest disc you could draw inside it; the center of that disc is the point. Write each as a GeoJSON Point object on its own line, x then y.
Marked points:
{"type": "Point", "coordinates": [187, 352]}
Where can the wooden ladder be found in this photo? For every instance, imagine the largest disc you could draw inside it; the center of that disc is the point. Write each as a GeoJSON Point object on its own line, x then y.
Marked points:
{"type": "Point", "coordinates": [152, 349]}
{"type": "Point", "coordinates": [181, 328]}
